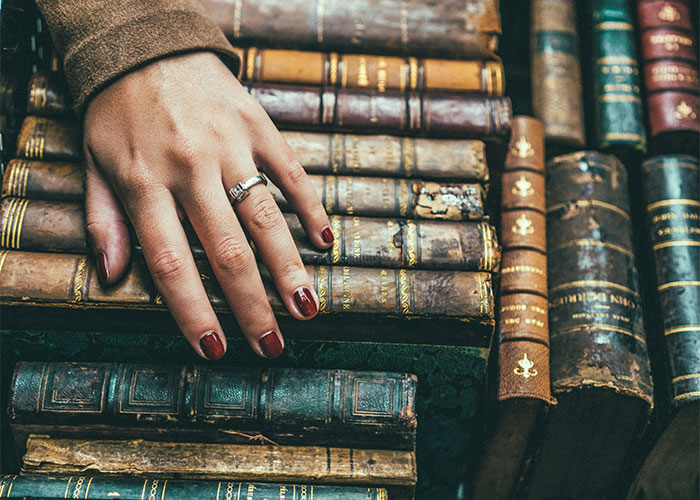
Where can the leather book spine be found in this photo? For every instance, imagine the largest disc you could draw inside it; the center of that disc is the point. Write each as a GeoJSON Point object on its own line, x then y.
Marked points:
{"type": "Point", "coordinates": [523, 334]}
{"type": "Point", "coordinates": [59, 181]}
{"type": "Point", "coordinates": [294, 406]}
{"type": "Point", "coordinates": [70, 280]}
{"type": "Point", "coordinates": [54, 226]}
{"type": "Point", "coordinates": [596, 331]}
{"type": "Point", "coordinates": [370, 72]}
{"type": "Point", "coordinates": [319, 153]}
{"type": "Point", "coordinates": [48, 95]}
{"type": "Point", "coordinates": [447, 115]}
{"type": "Point", "coordinates": [613, 53]}
{"type": "Point", "coordinates": [103, 487]}
{"type": "Point", "coordinates": [669, 54]}
{"type": "Point", "coordinates": [409, 27]}
{"type": "Point", "coordinates": [672, 185]}
{"type": "Point", "coordinates": [557, 95]}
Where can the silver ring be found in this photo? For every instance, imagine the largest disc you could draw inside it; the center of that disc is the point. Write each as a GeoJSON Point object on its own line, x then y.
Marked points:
{"type": "Point", "coordinates": [240, 191]}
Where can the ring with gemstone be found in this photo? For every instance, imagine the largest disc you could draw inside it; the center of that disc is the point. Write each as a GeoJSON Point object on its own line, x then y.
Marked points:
{"type": "Point", "coordinates": [240, 191]}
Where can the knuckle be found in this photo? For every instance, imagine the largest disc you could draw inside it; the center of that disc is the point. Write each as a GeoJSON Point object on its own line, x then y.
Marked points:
{"type": "Point", "coordinates": [135, 182]}
{"type": "Point", "coordinates": [266, 216]}
{"type": "Point", "coordinates": [233, 255]}
{"type": "Point", "coordinates": [296, 175]}
{"type": "Point", "coordinates": [168, 265]}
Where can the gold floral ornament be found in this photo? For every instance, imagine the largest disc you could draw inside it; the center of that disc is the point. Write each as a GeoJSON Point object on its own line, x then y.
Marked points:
{"type": "Point", "coordinates": [523, 188]}
{"type": "Point", "coordinates": [525, 367]}
{"type": "Point", "coordinates": [522, 148]}
{"type": "Point", "coordinates": [669, 13]}
{"type": "Point", "coordinates": [684, 111]}
{"type": "Point", "coordinates": [523, 226]}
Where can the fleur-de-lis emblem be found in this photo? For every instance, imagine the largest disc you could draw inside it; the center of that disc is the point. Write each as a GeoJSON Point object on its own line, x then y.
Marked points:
{"type": "Point", "coordinates": [669, 13]}
{"type": "Point", "coordinates": [523, 226]}
{"type": "Point", "coordinates": [684, 111]}
{"type": "Point", "coordinates": [522, 148]}
{"type": "Point", "coordinates": [523, 188]}
{"type": "Point", "coordinates": [525, 367]}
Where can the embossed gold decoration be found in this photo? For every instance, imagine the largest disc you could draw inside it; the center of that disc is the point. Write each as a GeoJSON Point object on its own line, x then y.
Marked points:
{"type": "Point", "coordinates": [404, 298]}
{"type": "Point", "coordinates": [669, 13]}
{"type": "Point", "coordinates": [525, 367]}
{"type": "Point", "coordinates": [411, 243]}
{"type": "Point", "coordinates": [80, 279]}
{"type": "Point", "coordinates": [322, 288]}
{"type": "Point", "coordinates": [523, 226]}
{"type": "Point", "coordinates": [523, 188]}
{"type": "Point", "coordinates": [522, 148]}
{"type": "Point", "coordinates": [336, 228]}
{"type": "Point", "coordinates": [683, 111]}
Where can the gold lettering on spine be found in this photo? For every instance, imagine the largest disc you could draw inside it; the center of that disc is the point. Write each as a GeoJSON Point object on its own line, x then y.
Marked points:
{"type": "Point", "coordinates": [413, 72]}
{"type": "Point", "coordinates": [362, 77]}
{"type": "Point", "coordinates": [411, 243]}
{"type": "Point", "coordinates": [333, 77]}
{"type": "Point", "coordinates": [347, 289]}
{"type": "Point", "coordinates": [404, 293]}
{"type": "Point", "coordinates": [80, 279]}
{"type": "Point", "coordinates": [408, 157]}
{"type": "Point", "coordinates": [356, 238]}
{"type": "Point", "coordinates": [323, 288]}
{"type": "Point", "coordinates": [381, 75]}
{"type": "Point", "coordinates": [330, 193]}
{"type": "Point", "coordinates": [320, 13]}
{"type": "Point", "coordinates": [524, 368]}
{"type": "Point", "coordinates": [383, 284]}
{"type": "Point", "coordinates": [336, 227]}
{"type": "Point", "coordinates": [251, 52]}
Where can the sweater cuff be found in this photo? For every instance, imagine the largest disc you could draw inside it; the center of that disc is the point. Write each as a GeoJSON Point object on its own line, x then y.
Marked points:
{"type": "Point", "coordinates": [103, 57]}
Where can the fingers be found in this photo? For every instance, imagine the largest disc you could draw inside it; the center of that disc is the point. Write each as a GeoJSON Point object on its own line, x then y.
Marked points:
{"type": "Point", "coordinates": [167, 254]}
{"type": "Point", "coordinates": [233, 263]}
{"type": "Point", "coordinates": [277, 159]}
{"type": "Point", "coordinates": [106, 225]}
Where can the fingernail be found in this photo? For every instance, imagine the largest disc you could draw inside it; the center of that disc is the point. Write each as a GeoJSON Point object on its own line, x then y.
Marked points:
{"type": "Point", "coordinates": [211, 345]}
{"type": "Point", "coordinates": [327, 235]}
{"type": "Point", "coordinates": [271, 345]}
{"type": "Point", "coordinates": [102, 269]}
{"type": "Point", "coordinates": [305, 302]}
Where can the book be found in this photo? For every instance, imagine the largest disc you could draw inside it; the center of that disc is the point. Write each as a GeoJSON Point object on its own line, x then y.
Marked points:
{"type": "Point", "coordinates": [616, 82]}
{"type": "Point", "coordinates": [599, 364]}
{"type": "Point", "coordinates": [557, 95]}
{"type": "Point", "coordinates": [390, 469]}
{"type": "Point", "coordinates": [370, 72]}
{"type": "Point", "coordinates": [319, 153]}
{"type": "Point", "coordinates": [672, 196]}
{"type": "Point", "coordinates": [410, 27]}
{"type": "Point", "coordinates": [285, 406]}
{"type": "Point", "coordinates": [340, 194]}
{"type": "Point", "coordinates": [670, 62]}
{"type": "Point", "coordinates": [523, 392]}
{"type": "Point", "coordinates": [102, 487]}
{"type": "Point", "coordinates": [59, 226]}
{"type": "Point", "coordinates": [48, 94]}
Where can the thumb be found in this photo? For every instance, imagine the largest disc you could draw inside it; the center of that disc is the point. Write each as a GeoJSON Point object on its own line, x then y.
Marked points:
{"type": "Point", "coordinates": [106, 225]}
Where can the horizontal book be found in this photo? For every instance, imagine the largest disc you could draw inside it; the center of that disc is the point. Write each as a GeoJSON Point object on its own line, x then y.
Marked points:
{"type": "Point", "coordinates": [340, 194]}
{"type": "Point", "coordinates": [282, 406]}
{"type": "Point", "coordinates": [319, 153]}
{"type": "Point", "coordinates": [104, 487]}
{"type": "Point", "coordinates": [59, 226]}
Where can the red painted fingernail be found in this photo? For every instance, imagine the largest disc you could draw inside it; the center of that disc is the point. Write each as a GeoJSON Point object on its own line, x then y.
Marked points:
{"type": "Point", "coordinates": [327, 235]}
{"type": "Point", "coordinates": [211, 345]}
{"type": "Point", "coordinates": [305, 302]}
{"type": "Point", "coordinates": [102, 269]}
{"type": "Point", "coordinates": [271, 345]}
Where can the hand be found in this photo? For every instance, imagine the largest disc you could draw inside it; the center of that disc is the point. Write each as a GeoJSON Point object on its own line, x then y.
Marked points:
{"type": "Point", "coordinates": [167, 141]}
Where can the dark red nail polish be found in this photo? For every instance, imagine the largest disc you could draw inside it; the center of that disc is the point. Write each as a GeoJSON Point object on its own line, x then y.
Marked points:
{"type": "Point", "coordinates": [271, 345]}
{"type": "Point", "coordinates": [327, 235]}
{"type": "Point", "coordinates": [102, 269]}
{"type": "Point", "coordinates": [305, 302]}
{"type": "Point", "coordinates": [211, 345]}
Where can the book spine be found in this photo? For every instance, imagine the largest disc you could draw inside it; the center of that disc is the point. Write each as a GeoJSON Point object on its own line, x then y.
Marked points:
{"type": "Point", "coordinates": [523, 327]}
{"type": "Point", "coordinates": [340, 195]}
{"type": "Point", "coordinates": [618, 105]}
{"type": "Point", "coordinates": [370, 72]}
{"type": "Point", "coordinates": [102, 487]}
{"type": "Point", "coordinates": [369, 409]}
{"type": "Point", "coordinates": [431, 114]}
{"type": "Point", "coordinates": [669, 55]}
{"type": "Point", "coordinates": [55, 226]}
{"type": "Point", "coordinates": [596, 332]}
{"type": "Point", "coordinates": [673, 204]}
{"type": "Point", "coordinates": [48, 95]}
{"type": "Point", "coordinates": [408, 27]}
{"type": "Point", "coordinates": [556, 73]}
{"type": "Point", "coordinates": [71, 280]}
{"type": "Point", "coordinates": [374, 155]}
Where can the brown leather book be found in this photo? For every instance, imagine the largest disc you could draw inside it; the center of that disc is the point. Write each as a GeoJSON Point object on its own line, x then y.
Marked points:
{"type": "Point", "coordinates": [670, 61]}
{"type": "Point", "coordinates": [370, 72]}
{"type": "Point", "coordinates": [447, 29]}
{"type": "Point", "coordinates": [523, 337]}
{"type": "Point", "coordinates": [373, 155]}
{"type": "Point", "coordinates": [340, 195]}
{"type": "Point", "coordinates": [59, 226]}
{"type": "Point", "coordinates": [48, 95]}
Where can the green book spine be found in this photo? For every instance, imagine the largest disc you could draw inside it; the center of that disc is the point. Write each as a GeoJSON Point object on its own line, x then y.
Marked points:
{"type": "Point", "coordinates": [619, 111]}
{"type": "Point", "coordinates": [96, 487]}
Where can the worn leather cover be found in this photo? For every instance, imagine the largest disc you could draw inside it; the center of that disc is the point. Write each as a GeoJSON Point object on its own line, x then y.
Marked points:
{"type": "Point", "coordinates": [450, 28]}
{"type": "Point", "coordinates": [43, 138]}
{"type": "Point", "coordinates": [437, 114]}
{"type": "Point", "coordinates": [673, 207]}
{"type": "Point", "coordinates": [48, 95]}
{"type": "Point", "coordinates": [45, 180]}
{"type": "Point", "coordinates": [557, 95]}
{"type": "Point", "coordinates": [103, 487]}
{"type": "Point", "coordinates": [371, 72]}
{"type": "Point", "coordinates": [219, 403]}
{"type": "Point", "coordinates": [55, 226]}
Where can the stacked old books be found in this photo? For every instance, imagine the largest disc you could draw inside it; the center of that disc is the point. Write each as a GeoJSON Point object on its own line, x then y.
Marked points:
{"type": "Point", "coordinates": [394, 123]}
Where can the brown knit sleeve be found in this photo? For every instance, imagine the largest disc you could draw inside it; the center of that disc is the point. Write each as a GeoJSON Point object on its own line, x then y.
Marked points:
{"type": "Point", "coordinates": [101, 40]}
